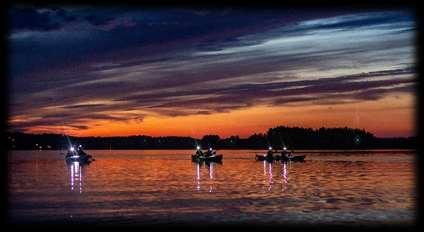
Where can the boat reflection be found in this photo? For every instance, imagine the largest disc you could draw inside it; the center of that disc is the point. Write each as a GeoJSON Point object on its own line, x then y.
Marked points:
{"type": "Point", "coordinates": [284, 176]}
{"type": "Point", "coordinates": [269, 176]}
{"type": "Point", "coordinates": [210, 170]}
{"type": "Point", "coordinates": [197, 165]}
{"type": "Point", "coordinates": [76, 176]}
{"type": "Point", "coordinates": [268, 173]}
{"type": "Point", "coordinates": [210, 167]}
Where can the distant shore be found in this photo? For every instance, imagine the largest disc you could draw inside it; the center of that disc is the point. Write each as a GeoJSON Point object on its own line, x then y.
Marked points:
{"type": "Point", "coordinates": [259, 150]}
{"type": "Point", "coordinates": [294, 138]}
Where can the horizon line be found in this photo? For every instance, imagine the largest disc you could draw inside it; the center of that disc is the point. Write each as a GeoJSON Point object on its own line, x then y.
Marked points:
{"type": "Point", "coordinates": [221, 137]}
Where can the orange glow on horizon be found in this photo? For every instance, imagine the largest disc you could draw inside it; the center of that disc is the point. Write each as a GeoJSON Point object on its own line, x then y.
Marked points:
{"type": "Point", "coordinates": [387, 117]}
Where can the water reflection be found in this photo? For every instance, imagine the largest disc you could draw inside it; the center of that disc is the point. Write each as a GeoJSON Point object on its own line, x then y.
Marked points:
{"type": "Point", "coordinates": [197, 165]}
{"type": "Point", "coordinates": [269, 175]}
{"type": "Point", "coordinates": [270, 181]}
{"type": "Point", "coordinates": [284, 175]}
{"type": "Point", "coordinates": [76, 177]}
{"type": "Point", "coordinates": [210, 167]}
{"type": "Point", "coordinates": [329, 188]}
{"type": "Point", "coordinates": [210, 170]}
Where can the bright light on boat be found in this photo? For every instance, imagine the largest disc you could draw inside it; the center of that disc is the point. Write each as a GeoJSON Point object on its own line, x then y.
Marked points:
{"type": "Point", "coordinates": [72, 149]}
{"type": "Point", "coordinates": [285, 148]}
{"type": "Point", "coordinates": [198, 147]}
{"type": "Point", "coordinates": [210, 149]}
{"type": "Point", "coordinates": [269, 148]}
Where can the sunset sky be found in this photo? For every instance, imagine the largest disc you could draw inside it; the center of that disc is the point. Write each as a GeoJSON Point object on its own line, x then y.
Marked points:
{"type": "Point", "coordinates": [94, 71]}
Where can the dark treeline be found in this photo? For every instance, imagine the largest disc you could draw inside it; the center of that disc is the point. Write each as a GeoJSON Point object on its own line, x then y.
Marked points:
{"type": "Point", "coordinates": [292, 137]}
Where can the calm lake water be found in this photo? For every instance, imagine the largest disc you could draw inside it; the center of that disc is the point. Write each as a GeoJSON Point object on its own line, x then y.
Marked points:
{"type": "Point", "coordinates": [163, 186]}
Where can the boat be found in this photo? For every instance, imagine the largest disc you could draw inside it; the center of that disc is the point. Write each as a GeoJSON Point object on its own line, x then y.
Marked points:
{"type": "Point", "coordinates": [78, 156]}
{"type": "Point", "coordinates": [208, 156]}
{"type": "Point", "coordinates": [212, 158]}
{"type": "Point", "coordinates": [264, 157]}
{"type": "Point", "coordinates": [299, 158]}
{"type": "Point", "coordinates": [285, 156]}
{"type": "Point", "coordinates": [269, 156]}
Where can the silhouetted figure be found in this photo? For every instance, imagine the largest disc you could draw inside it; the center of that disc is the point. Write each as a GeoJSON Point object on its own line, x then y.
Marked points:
{"type": "Point", "coordinates": [199, 152]}
{"type": "Point", "coordinates": [269, 154]}
{"type": "Point", "coordinates": [80, 152]}
{"type": "Point", "coordinates": [286, 153]}
{"type": "Point", "coordinates": [210, 152]}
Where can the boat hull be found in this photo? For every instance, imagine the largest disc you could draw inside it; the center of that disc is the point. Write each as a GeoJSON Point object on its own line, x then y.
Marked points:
{"type": "Point", "coordinates": [81, 158]}
{"type": "Point", "coordinates": [300, 158]}
{"type": "Point", "coordinates": [214, 158]}
{"type": "Point", "coordinates": [264, 158]}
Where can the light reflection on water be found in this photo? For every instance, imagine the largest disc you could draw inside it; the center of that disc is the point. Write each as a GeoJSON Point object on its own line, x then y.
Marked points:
{"type": "Point", "coordinates": [210, 169]}
{"type": "Point", "coordinates": [76, 177]}
{"type": "Point", "coordinates": [284, 175]}
{"type": "Point", "coordinates": [143, 186]}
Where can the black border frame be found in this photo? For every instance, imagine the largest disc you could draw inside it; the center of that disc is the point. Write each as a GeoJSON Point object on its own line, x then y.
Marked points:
{"type": "Point", "coordinates": [378, 4]}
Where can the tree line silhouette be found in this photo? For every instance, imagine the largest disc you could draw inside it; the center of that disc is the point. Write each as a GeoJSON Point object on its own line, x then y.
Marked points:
{"type": "Point", "coordinates": [291, 137]}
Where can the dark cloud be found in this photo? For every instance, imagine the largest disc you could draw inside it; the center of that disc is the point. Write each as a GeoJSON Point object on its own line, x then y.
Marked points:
{"type": "Point", "coordinates": [94, 31]}
{"type": "Point", "coordinates": [31, 19]}
{"type": "Point", "coordinates": [98, 20]}
{"type": "Point", "coordinates": [80, 127]}
{"type": "Point", "coordinates": [83, 106]}
{"type": "Point", "coordinates": [53, 18]}
{"type": "Point", "coordinates": [76, 118]}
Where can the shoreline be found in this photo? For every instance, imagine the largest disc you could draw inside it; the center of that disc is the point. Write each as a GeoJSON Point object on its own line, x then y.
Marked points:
{"type": "Point", "coordinates": [317, 150]}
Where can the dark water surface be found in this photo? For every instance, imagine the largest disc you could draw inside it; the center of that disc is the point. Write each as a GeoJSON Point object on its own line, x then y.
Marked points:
{"type": "Point", "coordinates": [162, 186]}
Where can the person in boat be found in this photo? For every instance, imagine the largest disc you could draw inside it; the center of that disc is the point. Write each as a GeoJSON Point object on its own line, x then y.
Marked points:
{"type": "Point", "coordinates": [82, 153]}
{"type": "Point", "coordinates": [286, 153]}
{"type": "Point", "coordinates": [210, 152]}
{"type": "Point", "coordinates": [199, 152]}
{"type": "Point", "coordinates": [71, 151]}
{"type": "Point", "coordinates": [269, 154]}
{"type": "Point", "coordinates": [79, 150]}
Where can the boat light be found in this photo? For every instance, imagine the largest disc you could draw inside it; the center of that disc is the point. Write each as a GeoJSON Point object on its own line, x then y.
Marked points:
{"type": "Point", "coordinates": [270, 148]}
{"type": "Point", "coordinates": [285, 148]}
{"type": "Point", "coordinates": [210, 149]}
{"type": "Point", "coordinates": [72, 149]}
{"type": "Point", "coordinates": [198, 147]}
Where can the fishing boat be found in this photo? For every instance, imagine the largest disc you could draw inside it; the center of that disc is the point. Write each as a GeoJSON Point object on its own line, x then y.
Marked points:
{"type": "Point", "coordinates": [213, 158]}
{"type": "Point", "coordinates": [287, 156]}
{"type": "Point", "coordinates": [264, 157]}
{"type": "Point", "coordinates": [284, 157]}
{"type": "Point", "coordinates": [280, 158]}
{"type": "Point", "coordinates": [209, 156]}
{"type": "Point", "coordinates": [299, 158]}
{"type": "Point", "coordinates": [269, 156]}
{"type": "Point", "coordinates": [78, 155]}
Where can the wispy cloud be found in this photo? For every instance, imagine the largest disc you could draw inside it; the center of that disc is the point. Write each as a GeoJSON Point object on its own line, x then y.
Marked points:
{"type": "Point", "coordinates": [324, 60]}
